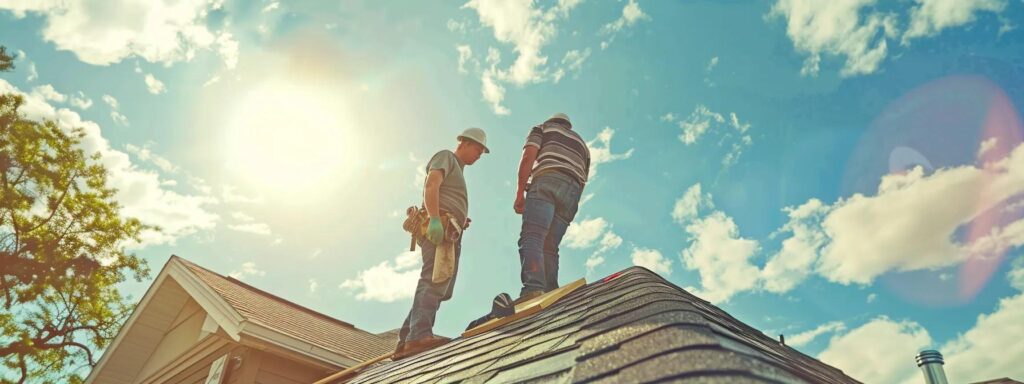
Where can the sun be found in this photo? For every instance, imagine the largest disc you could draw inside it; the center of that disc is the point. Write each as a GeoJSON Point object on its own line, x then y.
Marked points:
{"type": "Point", "coordinates": [287, 138]}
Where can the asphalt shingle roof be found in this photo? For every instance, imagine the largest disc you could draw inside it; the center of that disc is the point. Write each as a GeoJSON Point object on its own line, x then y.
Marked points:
{"type": "Point", "coordinates": [295, 320]}
{"type": "Point", "coordinates": [636, 327]}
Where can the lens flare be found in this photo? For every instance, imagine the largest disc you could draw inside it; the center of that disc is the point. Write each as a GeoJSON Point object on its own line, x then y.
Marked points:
{"type": "Point", "coordinates": [957, 121]}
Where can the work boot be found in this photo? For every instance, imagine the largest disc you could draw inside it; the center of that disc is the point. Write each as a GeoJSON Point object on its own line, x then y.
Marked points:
{"type": "Point", "coordinates": [414, 347]}
{"type": "Point", "coordinates": [527, 296]}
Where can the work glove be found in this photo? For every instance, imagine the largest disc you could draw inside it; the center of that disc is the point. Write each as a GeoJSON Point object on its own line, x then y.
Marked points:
{"type": "Point", "coordinates": [435, 231]}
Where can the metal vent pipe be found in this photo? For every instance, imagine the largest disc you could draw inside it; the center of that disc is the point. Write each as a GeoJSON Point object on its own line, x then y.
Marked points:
{"type": "Point", "coordinates": [930, 362]}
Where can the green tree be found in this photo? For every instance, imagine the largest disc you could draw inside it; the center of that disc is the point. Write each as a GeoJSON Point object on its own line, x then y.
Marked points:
{"type": "Point", "coordinates": [6, 60]}
{"type": "Point", "coordinates": [61, 252]}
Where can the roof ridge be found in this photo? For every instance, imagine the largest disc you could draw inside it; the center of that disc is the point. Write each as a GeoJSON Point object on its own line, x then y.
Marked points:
{"type": "Point", "coordinates": [276, 298]}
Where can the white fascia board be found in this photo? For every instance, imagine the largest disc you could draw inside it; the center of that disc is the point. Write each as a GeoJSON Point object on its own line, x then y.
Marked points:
{"type": "Point", "coordinates": [278, 339]}
{"type": "Point", "coordinates": [227, 317]}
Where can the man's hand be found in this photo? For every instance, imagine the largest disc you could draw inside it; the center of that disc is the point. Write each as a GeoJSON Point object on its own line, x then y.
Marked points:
{"type": "Point", "coordinates": [435, 231]}
{"type": "Point", "coordinates": [520, 203]}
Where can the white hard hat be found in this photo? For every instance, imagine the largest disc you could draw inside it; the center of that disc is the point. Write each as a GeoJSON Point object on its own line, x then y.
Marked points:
{"type": "Point", "coordinates": [560, 116]}
{"type": "Point", "coordinates": [476, 134]}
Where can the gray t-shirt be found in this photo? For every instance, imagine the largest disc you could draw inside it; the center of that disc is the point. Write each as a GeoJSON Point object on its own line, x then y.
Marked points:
{"type": "Point", "coordinates": [453, 196]}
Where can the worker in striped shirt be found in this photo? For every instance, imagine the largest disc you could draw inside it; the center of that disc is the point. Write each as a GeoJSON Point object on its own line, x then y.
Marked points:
{"type": "Point", "coordinates": [552, 174]}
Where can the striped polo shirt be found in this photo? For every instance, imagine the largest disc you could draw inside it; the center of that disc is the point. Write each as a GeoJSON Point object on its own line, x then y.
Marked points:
{"type": "Point", "coordinates": [559, 149]}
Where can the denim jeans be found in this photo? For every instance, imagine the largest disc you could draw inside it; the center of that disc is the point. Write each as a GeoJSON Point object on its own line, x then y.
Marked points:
{"type": "Point", "coordinates": [551, 204]}
{"type": "Point", "coordinates": [428, 297]}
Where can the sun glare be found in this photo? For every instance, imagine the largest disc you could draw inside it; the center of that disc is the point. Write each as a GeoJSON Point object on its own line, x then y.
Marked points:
{"type": "Point", "coordinates": [289, 139]}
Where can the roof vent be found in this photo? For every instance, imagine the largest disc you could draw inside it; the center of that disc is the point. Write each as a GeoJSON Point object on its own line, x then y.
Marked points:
{"type": "Point", "coordinates": [930, 361]}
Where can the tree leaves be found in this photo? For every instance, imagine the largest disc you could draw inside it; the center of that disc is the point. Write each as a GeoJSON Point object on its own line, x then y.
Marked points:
{"type": "Point", "coordinates": [61, 251]}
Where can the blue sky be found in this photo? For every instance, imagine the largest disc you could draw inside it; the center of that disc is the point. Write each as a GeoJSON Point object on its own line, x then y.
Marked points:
{"type": "Point", "coordinates": [847, 173]}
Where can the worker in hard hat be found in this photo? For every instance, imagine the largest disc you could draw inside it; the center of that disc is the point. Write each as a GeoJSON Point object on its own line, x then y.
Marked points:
{"type": "Point", "coordinates": [552, 173]}
{"type": "Point", "coordinates": [439, 224]}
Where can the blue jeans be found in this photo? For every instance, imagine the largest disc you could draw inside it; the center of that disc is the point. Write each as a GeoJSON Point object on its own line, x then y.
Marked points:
{"type": "Point", "coordinates": [551, 204]}
{"type": "Point", "coordinates": [428, 297]}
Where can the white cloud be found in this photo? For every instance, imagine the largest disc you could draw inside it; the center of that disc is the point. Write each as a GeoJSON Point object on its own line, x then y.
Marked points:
{"type": "Point", "coordinates": [493, 91]}
{"type": "Point", "coordinates": [631, 14]}
{"type": "Point", "coordinates": [163, 31]}
{"type": "Point", "coordinates": [872, 297]}
{"type": "Point", "coordinates": [991, 348]}
{"type": "Point", "coordinates": [154, 85]}
{"type": "Point", "coordinates": [609, 241]}
{"type": "Point", "coordinates": [929, 17]}
{"type": "Point", "coordinates": [118, 118]}
{"type": "Point", "coordinates": [803, 338]}
{"type": "Point", "coordinates": [869, 233]}
{"type": "Point", "coordinates": [456, 26]}
{"type": "Point", "coordinates": [140, 192]}
{"type": "Point", "coordinates": [839, 28]}
{"type": "Point", "coordinates": [689, 205]}
{"type": "Point", "coordinates": [586, 198]}
{"type": "Point", "coordinates": [791, 265]}
{"type": "Point", "coordinates": [698, 123]}
{"type": "Point", "coordinates": [313, 285]}
{"type": "Point", "coordinates": [1016, 274]}
{"type": "Point", "coordinates": [881, 351]}
{"type": "Point", "coordinates": [80, 101]}
{"type": "Point", "coordinates": [246, 223]}
{"type": "Point", "coordinates": [527, 29]}
{"type": "Point", "coordinates": [858, 238]}
{"type": "Point", "coordinates": [253, 228]}
{"type": "Point", "coordinates": [589, 233]}
{"type": "Point", "coordinates": [33, 73]}
{"type": "Point", "coordinates": [242, 217]}
{"type": "Point", "coordinates": [712, 64]}
{"type": "Point", "coordinates": [730, 131]}
{"type": "Point", "coordinates": [49, 94]}
{"type": "Point", "coordinates": [228, 195]}
{"type": "Point", "coordinates": [593, 262]}
{"type": "Point", "coordinates": [213, 80]}
{"type": "Point", "coordinates": [145, 153]}
{"type": "Point", "coordinates": [465, 53]}
{"type": "Point", "coordinates": [111, 101]}
{"type": "Point", "coordinates": [721, 257]}
{"type": "Point", "coordinates": [584, 234]}
{"type": "Point", "coordinates": [248, 270]}
{"type": "Point", "coordinates": [22, 57]}
{"type": "Point", "coordinates": [388, 281]}
{"type": "Point", "coordinates": [272, 6]}
{"type": "Point", "coordinates": [716, 251]}
{"type": "Point", "coordinates": [227, 48]}
{"type": "Point", "coordinates": [987, 145]}
{"type": "Point", "coordinates": [574, 59]}
{"type": "Point", "coordinates": [652, 259]}
{"type": "Point", "coordinates": [520, 24]}
{"type": "Point", "coordinates": [601, 151]}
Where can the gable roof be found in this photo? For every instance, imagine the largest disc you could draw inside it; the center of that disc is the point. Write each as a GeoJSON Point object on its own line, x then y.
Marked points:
{"type": "Point", "coordinates": [633, 326]}
{"type": "Point", "coordinates": [245, 314]}
{"type": "Point", "coordinates": [259, 307]}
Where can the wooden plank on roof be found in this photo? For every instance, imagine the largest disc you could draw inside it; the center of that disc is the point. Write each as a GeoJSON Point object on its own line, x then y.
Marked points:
{"type": "Point", "coordinates": [528, 308]}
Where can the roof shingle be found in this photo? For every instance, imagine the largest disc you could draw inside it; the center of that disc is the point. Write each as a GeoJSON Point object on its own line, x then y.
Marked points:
{"type": "Point", "coordinates": [258, 306]}
{"type": "Point", "coordinates": [637, 327]}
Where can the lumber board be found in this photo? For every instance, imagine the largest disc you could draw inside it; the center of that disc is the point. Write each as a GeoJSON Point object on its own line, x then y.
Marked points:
{"type": "Point", "coordinates": [528, 308]}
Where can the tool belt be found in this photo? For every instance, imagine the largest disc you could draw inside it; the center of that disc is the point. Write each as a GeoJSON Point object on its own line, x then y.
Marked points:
{"type": "Point", "coordinates": [417, 219]}
{"type": "Point", "coordinates": [416, 222]}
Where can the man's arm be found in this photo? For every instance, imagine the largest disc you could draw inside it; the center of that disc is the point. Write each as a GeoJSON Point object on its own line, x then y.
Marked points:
{"type": "Point", "coordinates": [432, 192]}
{"type": "Point", "coordinates": [525, 168]}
